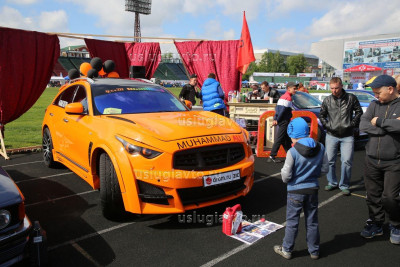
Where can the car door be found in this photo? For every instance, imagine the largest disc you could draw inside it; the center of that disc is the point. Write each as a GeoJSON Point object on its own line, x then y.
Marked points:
{"type": "Point", "coordinates": [58, 126]}
{"type": "Point", "coordinates": [78, 133]}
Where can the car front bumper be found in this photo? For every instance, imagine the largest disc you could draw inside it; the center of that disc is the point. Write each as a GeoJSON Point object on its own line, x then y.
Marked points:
{"type": "Point", "coordinates": [13, 246]}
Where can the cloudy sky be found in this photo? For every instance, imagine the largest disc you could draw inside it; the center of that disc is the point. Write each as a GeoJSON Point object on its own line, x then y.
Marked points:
{"type": "Point", "coordinates": [287, 25]}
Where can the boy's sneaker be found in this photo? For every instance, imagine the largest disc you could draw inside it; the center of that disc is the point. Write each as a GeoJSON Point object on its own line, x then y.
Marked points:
{"type": "Point", "coordinates": [345, 192]}
{"type": "Point", "coordinates": [394, 235]}
{"type": "Point", "coordinates": [330, 187]}
{"type": "Point", "coordinates": [274, 160]}
{"type": "Point", "coordinates": [279, 250]}
{"type": "Point", "coordinates": [371, 230]}
{"type": "Point", "coordinates": [314, 256]}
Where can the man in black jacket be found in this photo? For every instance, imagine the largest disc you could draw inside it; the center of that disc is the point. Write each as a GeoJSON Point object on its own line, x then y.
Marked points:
{"type": "Point", "coordinates": [337, 117]}
{"type": "Point", "coordinates": [268, 92]}
{"type": "Point", "coordinates": [189, 91]}
{"type": "Point", "coordinates": [382, 163]}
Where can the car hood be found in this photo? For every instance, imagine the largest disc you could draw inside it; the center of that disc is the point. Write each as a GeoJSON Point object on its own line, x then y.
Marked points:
{"type": "Point", "coordinates": [169, 126]}
{"type": "Point", "coordinates": [10, 193]}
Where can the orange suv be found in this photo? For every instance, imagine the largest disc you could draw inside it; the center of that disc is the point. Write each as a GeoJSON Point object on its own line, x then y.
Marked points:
{"type": "Point", "coordinates": [145, 151]}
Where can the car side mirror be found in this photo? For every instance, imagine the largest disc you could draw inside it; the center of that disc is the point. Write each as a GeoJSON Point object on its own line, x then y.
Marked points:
{"type": "Point", "coordinates": [74, 108]}
{"type": "Point", "coordinates": [188, 104]}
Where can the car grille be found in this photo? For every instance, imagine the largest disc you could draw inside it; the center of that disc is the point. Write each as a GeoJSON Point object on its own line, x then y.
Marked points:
{"type": "Point", "coordinates": [197, 195]}
{"type": "Point", "coordinates": [209, 158]}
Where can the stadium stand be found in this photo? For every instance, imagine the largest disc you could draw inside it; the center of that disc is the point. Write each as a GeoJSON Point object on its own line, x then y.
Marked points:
{"type": "Point", "coordinates": [59, 69]}
{"type": "Point", "coordinates": [176, 70]}
{"type": "Point", "coordinates": [165, 71]}
{"type": "Point", "coordinates": [158, 74]}
{"type": "Point", "coordinates": [66, 63]}
{"type": "Point", "coordinates": [168, 73]}
{"type": "Point", "coordinates": [180, 65]}
{"type": "Point", "coordinates": [77, 61]}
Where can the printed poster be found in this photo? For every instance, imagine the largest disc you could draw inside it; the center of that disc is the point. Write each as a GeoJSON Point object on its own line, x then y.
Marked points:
{"type": "Point", "coordinates": [252, 232]}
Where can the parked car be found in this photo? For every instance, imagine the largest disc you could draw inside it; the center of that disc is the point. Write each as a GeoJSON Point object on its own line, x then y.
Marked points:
{"type": "Point", "coordinates": [304, 101]}
{"type": "Point", "coordinates": [365, 97]}
{"type": "Point", "coordinates": [144, 149]}
{"type": "Point", "coordinates": [320, 96]}
{"type": "Point", "coordinates": [16, 230]}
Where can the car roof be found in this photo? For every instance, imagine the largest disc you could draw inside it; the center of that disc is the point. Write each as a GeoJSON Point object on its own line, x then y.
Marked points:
{"type": "Point", "coordinates": [360, 91]}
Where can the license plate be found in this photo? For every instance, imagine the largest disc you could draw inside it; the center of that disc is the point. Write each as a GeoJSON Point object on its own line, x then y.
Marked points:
{"type": "Point", "coordinates": [221, 178]}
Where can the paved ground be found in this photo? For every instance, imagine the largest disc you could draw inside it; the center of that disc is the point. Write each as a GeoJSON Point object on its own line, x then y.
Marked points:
{"type": "Point", "coordinates": [78, 235]}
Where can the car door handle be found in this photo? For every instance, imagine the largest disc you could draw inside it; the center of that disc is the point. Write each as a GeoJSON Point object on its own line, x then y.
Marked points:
{"type": "Point", "coordinates": [66, 120]}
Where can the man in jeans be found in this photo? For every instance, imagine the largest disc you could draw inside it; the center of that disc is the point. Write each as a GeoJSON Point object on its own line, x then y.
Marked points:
{"type": "Point", "coordinates": [337, 117]}
{"type": "Point", "coordinates": [382, 163]}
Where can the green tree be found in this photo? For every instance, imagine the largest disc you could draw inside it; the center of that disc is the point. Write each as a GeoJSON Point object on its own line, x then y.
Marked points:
{"type": "Point", "coordinates": [296, 64]}
{"type": "Point", "coordinates": [277, 63]}
{"type": "Point", "coordinates": [252, 68]}
{"type": "Point", "coordinates": [166, 57]}
{"type": "Point", "coordinates": [263, 64]}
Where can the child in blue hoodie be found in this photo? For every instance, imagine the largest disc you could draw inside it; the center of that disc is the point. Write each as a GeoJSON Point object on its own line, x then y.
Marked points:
{"type": "Point", "coordinates": [304, 164]}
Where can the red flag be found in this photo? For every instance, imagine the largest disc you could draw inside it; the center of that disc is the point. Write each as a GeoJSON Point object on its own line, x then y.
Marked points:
{"type": "Point", "coordinates": [245, 52]}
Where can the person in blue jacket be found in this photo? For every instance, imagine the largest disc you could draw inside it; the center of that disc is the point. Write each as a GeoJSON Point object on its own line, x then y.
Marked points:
{"type": "Point", "coordinates": [304, 164]}
{"type": "Point", "coordinates": [213, 96]}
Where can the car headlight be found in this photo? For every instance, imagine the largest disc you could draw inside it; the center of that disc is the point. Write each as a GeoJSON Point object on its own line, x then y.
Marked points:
{"type": "Point", "coordinates": [133, 149]}
{"type": "Point", "coordinates": [5, 218]}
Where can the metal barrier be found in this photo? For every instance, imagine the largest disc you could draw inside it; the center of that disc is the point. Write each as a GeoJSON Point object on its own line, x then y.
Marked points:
{"type": "Point", "coordinates": [260, 149]}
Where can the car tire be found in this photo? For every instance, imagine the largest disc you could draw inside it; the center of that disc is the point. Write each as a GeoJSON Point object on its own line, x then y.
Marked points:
{"type": "Point", "coordinates": [47, 145]}
{"type": "Point", "coordinates": [112, 204]}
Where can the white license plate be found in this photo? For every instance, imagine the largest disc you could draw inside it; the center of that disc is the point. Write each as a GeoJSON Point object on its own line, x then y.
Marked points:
{"type": "Point", "coordinates": [221, 178]}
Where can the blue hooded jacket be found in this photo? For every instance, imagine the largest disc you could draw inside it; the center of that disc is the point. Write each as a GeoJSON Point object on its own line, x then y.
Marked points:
{"type": "Point", "coordinates": [212, 95]}
{"type": "Point", "coordinates": [304, 164]}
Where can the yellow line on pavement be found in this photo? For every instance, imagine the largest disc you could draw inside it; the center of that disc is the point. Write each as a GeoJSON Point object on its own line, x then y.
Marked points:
{"type": "Point", "coordinates": [357, 195]}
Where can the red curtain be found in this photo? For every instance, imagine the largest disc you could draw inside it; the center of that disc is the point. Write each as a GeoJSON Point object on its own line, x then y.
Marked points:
{"type": "Point", "coordinates": [110, 50]}
{"type": "Point", "coordinates": [144, 54]}
{"type": "Point", "coordinates": [27, 59]}
{"type": "Point", "coordinates": [219, 57]}
{"type": "Point", "coordinates": [127, 54]}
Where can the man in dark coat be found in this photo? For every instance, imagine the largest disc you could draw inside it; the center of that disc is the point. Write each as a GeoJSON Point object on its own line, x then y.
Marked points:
{"type": "Point", "coordinates": [189, 91]}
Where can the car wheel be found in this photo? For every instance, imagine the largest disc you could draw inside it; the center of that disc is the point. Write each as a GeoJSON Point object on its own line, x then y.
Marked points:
{"type": "Point", "coordinates": [47, 145]}
{"type": "Point", "coordinates": [110, 193]}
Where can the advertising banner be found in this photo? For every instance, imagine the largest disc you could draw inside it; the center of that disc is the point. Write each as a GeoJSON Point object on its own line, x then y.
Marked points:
{"type": "Point", "coordinates": [306, 75]}
{"type": "Point", "coordinates": [383, 53]}
{"type": "Point", "coordinates": [271, 74]}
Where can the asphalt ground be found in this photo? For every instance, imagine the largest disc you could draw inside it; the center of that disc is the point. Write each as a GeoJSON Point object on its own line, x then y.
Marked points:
{"type": "Point", "coordinates": [78, 235]}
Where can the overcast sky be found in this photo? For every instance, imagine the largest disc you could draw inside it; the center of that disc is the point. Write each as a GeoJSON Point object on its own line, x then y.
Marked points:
{"type": "Point", "coordinates": [290, 25]}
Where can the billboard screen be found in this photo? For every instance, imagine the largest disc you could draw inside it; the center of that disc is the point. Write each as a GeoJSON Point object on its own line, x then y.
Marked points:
{"type": "Point", "coordinates": [383, 53]}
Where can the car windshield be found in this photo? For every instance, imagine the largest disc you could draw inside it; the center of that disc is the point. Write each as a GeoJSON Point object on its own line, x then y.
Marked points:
{"type": "Point", "coordinates": [305, 101]}
{"type": "Point", "coordinates": [364, 97]}
{"type": "Point", "coordinates": [130, 100]}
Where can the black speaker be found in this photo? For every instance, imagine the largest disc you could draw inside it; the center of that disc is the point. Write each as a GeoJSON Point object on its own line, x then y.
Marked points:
{"type": "Point", "coordinates": [137, 72]}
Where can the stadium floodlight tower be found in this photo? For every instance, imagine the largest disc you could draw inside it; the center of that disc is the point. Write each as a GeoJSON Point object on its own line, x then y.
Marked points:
{"type": "Point", "coordinates": [139, 7]}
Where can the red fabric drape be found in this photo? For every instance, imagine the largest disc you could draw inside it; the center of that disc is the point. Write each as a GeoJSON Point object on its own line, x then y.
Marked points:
{"type": "Point", "coordinates": [219, 57]}
{"type": "Point", "coordinates": [144, 54]}
{"type": "Point", "coordinates": [127, 54]}
{"type": "Point", "coordinates": [110, 50]}
{"type": "Point", "coordinates": [27, 59]}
